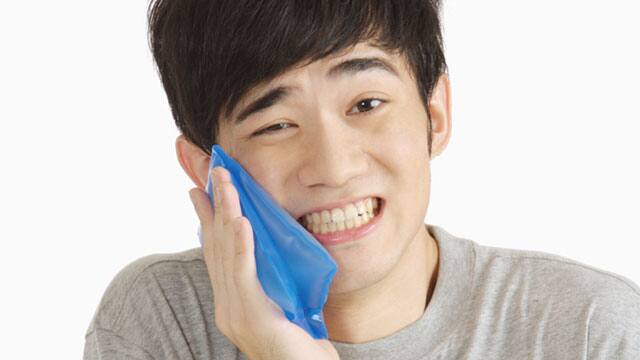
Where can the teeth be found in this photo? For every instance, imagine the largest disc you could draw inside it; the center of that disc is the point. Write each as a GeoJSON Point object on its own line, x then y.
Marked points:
{"type": "Point", "coordinates": [351, 212]}
{"type": "Point", "coordinates": [350, 224]}
{"type": "Point", "coordinates": [369, 204]}
{"type": "Point", "coordinates": [337, 215]}
{"type": "Point", "coordinates": [326, 216]}
{"type": "Point", "coordinates": [352, 216]}
{"type": "Point", "coordinates": [316, 218]}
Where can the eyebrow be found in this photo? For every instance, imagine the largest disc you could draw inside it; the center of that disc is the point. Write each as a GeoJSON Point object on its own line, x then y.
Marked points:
{"type": "Point", "coordinates": [347, 67]}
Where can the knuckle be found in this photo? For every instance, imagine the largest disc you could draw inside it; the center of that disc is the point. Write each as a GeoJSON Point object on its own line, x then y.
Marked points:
{"type": "Point", "coordinates": [241, 252]}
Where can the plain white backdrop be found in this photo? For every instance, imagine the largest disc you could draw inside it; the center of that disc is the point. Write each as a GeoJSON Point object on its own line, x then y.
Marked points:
{"type": "Point", "coordinates": [544, 153]}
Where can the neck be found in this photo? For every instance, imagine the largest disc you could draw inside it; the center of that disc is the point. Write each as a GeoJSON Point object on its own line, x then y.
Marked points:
{"type": "Point", "coordinates": [392, 303]}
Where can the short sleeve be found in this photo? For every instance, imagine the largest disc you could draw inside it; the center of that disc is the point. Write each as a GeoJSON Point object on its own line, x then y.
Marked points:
{"type": "Point", "coordinates": [614, 326]}
{"type": "Point", "coordinates": [102, 344]}
{"type": "Point", "coordinates": [158, 307]}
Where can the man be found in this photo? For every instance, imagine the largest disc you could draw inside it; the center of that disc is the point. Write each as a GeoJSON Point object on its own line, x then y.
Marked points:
{"type": "Point", "coordinates": [331, 105]}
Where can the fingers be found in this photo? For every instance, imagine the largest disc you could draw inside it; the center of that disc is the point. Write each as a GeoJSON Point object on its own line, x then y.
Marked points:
{"type": "Point", "coordinates": [230, 202]}
{"type": "Point", "coordinates": [243, 311]}
{"type": "Point", "coordinates": [202, 206]}
{"type": "Point", "coordinates": [239, 265]}
{"type": "Point", "coordinates": [227, 240]}
{"type": "Point", "coordinates": [228, 210]}
{"type": "Point", "coordinates": [245, 262]}
{"type": "Point", "coordinates": [232, 266]}
{"type": "Point", "coordinates": [210, 232]}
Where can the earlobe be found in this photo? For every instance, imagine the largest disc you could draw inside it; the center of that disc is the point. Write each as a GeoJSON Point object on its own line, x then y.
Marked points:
{"type": "Point", "coordinates": [440, 109]}
{"type": "Point", "coordinates": [193, 161]}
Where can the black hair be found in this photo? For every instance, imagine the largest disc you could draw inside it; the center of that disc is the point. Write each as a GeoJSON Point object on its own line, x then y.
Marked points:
{"type": "Point", "coordinates": [210, 53]}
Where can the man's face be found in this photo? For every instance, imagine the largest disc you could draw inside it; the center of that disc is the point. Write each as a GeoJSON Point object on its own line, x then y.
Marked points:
{"type": "Point", "coordinates": [351, 134]}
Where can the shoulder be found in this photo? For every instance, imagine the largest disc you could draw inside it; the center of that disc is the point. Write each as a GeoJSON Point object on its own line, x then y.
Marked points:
{"type": "Point", "coordinates": [609, 302]}
{"type": "Point", "coordinates": [551, 271]}
{"type": "Point", "coordinates": [601, 306]}
{"type": "Point", "coordinates": [547, 298]}
{"type": "Point", "coordinates": [135, 286]}
{"type": "Point", "coordinates": [506, 271]}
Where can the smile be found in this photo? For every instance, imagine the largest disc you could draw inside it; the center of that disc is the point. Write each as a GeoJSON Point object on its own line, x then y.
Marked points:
{"type": "Point", "coordinates": [349, 217]}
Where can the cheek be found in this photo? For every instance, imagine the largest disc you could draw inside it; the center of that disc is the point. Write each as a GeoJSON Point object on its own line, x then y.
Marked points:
{"type": "Point", "coordinates": [265, 171]}
{"type": "Point", "coordinates": [402, 143]}
{"type": "Point", "coordinates": [402, 140]}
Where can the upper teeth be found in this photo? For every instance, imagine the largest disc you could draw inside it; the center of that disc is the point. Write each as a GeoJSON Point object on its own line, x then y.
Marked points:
{"type": "Point", "coordinates": [349, 213]}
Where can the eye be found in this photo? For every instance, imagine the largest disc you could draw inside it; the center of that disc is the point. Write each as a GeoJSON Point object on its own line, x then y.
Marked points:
{"type": "Point", "coordinates": [367, 104]}
{"type": "Point", "coordinates": [271, 129]}
{"type": "Point", "coordinates": [364, 105]}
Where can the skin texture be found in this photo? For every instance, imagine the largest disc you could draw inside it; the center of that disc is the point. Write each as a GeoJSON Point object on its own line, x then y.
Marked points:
{"type": "Point", "coordinates": [332, 150]}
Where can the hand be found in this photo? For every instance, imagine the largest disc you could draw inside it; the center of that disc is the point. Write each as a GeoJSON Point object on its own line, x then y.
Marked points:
{"type": "Point", "coordinates": [243, 312]}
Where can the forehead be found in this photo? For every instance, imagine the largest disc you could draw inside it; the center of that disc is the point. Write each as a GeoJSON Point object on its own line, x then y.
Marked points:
{"type": "Point", "coordinates": [360, 50]}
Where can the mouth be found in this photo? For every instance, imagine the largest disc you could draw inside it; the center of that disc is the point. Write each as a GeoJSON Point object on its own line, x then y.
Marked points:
{"type": "Point", "coordinates": [345, 219]}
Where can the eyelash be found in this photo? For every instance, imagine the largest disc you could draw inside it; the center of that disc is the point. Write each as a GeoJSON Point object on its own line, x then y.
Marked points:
{"type": "Point", "coordinates": [274, 128]}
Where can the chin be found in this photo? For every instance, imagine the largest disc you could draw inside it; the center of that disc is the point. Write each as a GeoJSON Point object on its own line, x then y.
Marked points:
{"type": "Point", "coordinates": [352, 277]}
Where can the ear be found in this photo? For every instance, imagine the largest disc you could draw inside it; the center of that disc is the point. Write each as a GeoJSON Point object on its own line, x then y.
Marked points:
{"type": "Point", "coordinates": [193, 160]}
{"type": "Point", "coordinates": [440, 110]}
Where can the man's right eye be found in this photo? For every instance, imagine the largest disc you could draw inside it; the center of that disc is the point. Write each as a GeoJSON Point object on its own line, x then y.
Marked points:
{"type": "Point", "coordinates": [270, 129]}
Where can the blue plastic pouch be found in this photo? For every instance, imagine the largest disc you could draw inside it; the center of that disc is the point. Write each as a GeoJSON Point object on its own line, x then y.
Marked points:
{"type": "Point", "coordinates": [294, 270]}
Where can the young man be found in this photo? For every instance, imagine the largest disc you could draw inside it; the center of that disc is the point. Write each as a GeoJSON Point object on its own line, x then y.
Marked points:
{"type": "Point", "coordinates": [327, 104]}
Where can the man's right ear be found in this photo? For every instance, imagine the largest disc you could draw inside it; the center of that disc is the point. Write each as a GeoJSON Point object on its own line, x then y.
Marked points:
{"type": "Point", "coordinates": [193, 160]}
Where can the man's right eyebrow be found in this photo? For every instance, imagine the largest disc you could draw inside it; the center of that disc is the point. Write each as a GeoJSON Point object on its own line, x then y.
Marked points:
{"type": "Point", "coordinates": [347, 67]}
{"type": "Point", "coordinates": [268, 99]}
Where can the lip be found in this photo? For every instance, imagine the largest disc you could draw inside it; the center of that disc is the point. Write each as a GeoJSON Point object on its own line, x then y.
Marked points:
{"type": "Point", "coordinates": [340, 237]}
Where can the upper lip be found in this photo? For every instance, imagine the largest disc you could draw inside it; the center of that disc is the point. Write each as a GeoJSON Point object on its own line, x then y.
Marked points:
{"type": "Point", "coordinates": [337, 204]}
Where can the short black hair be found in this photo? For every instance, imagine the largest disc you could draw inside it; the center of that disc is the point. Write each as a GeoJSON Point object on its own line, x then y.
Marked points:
{"type": "Point", "coordinates": [210, 53]}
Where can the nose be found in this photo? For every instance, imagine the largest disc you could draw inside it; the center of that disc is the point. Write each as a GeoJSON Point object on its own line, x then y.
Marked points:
{"type": "Point", "coordinates": [333, 155]}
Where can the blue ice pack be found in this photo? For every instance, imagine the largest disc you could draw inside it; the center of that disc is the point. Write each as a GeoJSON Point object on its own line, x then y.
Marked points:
{"type": "Point", "coordinates": [294, 270]}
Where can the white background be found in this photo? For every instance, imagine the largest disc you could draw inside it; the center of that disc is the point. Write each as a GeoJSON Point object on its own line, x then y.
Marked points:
{"type": "Point", "coordinates": [544, 153]}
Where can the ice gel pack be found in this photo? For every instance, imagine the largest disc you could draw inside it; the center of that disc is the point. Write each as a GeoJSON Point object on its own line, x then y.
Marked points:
{"type": "Point", "coordinates": [294, 269]}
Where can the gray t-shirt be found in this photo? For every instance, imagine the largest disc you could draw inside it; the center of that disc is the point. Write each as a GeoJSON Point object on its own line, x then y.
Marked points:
{"type": "Point", "coordinates": [488, 303]}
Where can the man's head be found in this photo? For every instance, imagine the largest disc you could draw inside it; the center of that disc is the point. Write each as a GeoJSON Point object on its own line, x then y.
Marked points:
{"type": "Point", "coordinates": [211, 53]}
{"type": "Point", "coordinates": [320, 101]}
